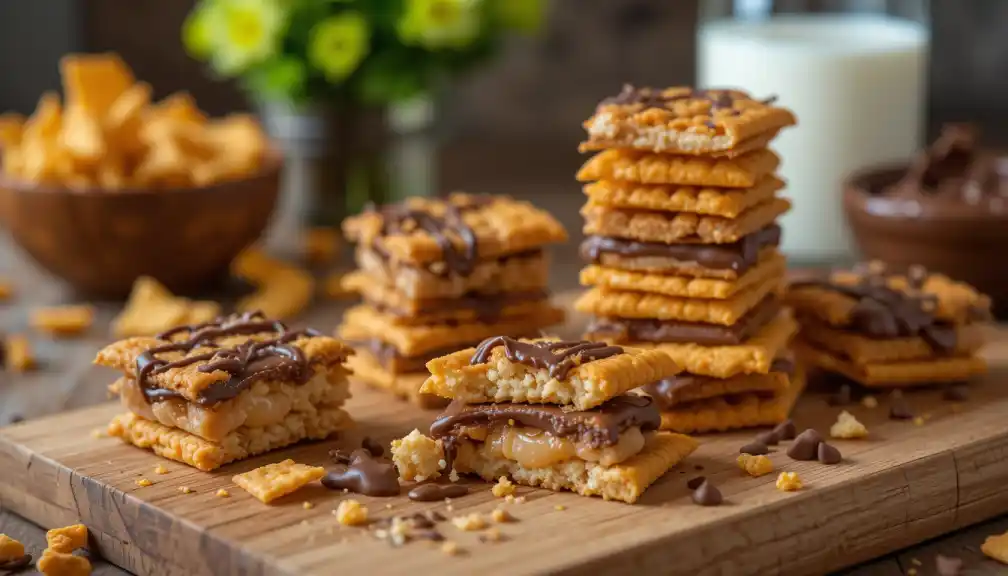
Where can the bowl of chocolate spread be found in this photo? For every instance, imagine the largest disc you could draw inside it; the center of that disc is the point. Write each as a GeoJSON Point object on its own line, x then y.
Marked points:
{"type": "Point", "coordinates": [947, 210]}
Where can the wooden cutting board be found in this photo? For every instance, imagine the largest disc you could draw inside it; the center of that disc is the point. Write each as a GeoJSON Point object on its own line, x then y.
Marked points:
{"type": "Point", "coordinates": [905, 484]}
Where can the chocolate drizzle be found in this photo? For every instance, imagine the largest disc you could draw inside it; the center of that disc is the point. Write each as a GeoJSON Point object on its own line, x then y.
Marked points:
{"type": "Point", "coordinates": [558, 357]}
{"type": "Point", "coordinates": [403, 219]}
{"type": "Point", "coordinates": [738, 256]}
{"type": "Point", "coordinates": [885, 312]}
{"type": "Point", "coordinates": [246, 363]}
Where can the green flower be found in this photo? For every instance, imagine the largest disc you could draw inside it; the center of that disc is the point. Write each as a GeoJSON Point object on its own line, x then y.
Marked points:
{"type": "Point", "coordinates": [337, 44]}
{"type": "Point", "coordinates": [436, 24]}
{"type": "Point", "coordinates": [196, 33]}
{"type": "Point", "coordinates": [522, 15]}
{"type": "Point", "coordinates": [245, 33]}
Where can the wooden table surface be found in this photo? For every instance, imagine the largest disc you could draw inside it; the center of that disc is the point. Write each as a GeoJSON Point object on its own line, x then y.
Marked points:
{"type": "Point", "coordinates": [65, 379]}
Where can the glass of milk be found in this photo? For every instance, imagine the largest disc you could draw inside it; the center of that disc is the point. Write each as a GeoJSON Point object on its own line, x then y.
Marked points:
{"type": "Point", "coordinates": [853, 72]}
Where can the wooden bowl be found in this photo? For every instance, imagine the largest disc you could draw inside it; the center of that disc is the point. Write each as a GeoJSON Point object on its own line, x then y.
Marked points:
{"type": "Point", "coordinates": [100, 241]}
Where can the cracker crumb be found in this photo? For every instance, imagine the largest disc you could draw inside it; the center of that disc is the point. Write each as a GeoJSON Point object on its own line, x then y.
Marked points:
{"type": "Point", "coordinates": [869, 402]}
{"type": "Point", "coordinates": [848, 427]}
{"type": "Point", "coordinates": [509, 498]}
{"type": "Point", "coordinates": [222, 493]}
{"type": "Point", "coordinates": [160, 469]}
{"type": "Point", "coordinates": [789, 482]}
{"type": "Point", "coordinates": [503, 487]}
{"type": "Point", "coordinates": [519, 500]}
{"type": "Point", "coordinates": [450, 548]}
{"type": "Point", "coordinates": [185, 489]}
{"type": "Point", "coordinates": [916, 562]}
{"type": "Point", "coordinates": [418, 457]}
{"type": "Point", "coordinates": [307, 505]}
{"type": "Point", "coordinates": [388, 506]}
{"type": "Point", "coordinates": [68, 538]}
{"type": "Point", "coordinates": [18, 353]}
{"type": "Point", "coordinates": [351, 513]}
{"type": "Point", "coordinates": [62, 320]}
{"type": "Point", "coordinates": [755, 466]}
{"type": "Point", "coordinates": [559, 507]}
{"type": "Point", "coordinates": [918, 420]}
{"type": "Point", "coordinates": [501, 515]}
{"type": "Point", "coordinates": [453, 476]}
{"type": "Point", "coordinates": [449, 508]}
{"type": "Point", "coordinates": [97, 433]}
{"type": "Point", "coordinates": [10, 549]}
{"type": "Point", "coordinates": [143, 483]}
{"type": "Point", "coordinates": [492, 535]}
{"type": "Point", "coordinates": [996, 547]}
{"type": "Point", "coordinates": [57, 563]}
{"type": "Point", "coordinates": [469, 522]}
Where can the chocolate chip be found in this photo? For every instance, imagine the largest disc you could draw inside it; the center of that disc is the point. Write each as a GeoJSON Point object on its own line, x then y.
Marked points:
{"type": "Point", "coordinates": [769, 438]}
{"type": "Point", "coordinates": [373, 446]}
{"type": "Point", "coordinates": [706, 494]}
{"type": "Point", "coordinates": [756, 448]}
{"type": "Point", "coordinates": [694, 483]}
{"type": "Point", "coordinates": [898, 407]}
{"type": "Point", "coordinates": [805, 446]}
{"type": "Point", "coordinates": [786, 430]}
{"type": "Point", "coordinates": [828, 454]}
{"type": "Point", "coordinates": [842, 397]}
{"type": "Point", "coordinates": [948, 565]}
{"type": "Point", "coordinates": [956, 393]}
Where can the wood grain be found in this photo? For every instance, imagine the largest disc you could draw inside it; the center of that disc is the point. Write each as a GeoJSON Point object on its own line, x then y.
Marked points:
{"type": "Point", "coordinates": [904, 485]}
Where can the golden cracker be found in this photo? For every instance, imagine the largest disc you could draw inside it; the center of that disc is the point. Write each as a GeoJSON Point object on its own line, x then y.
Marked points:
{"type": "Point", "coordinates": [602, 302]}
{"type": "Point", "coordinates": [744, 411]}
{"type": "Point", "coordinates": [727, 203]}
{"type": "Point", "coordinates": [894, 374]}
{"type": "Point", "coordinates": [649, 168]}
{"type": "Point", "coordinates": [585, 386]}
{"type": "Point", "coordinates": [624, 482]}
{"type": "Point", "coordinates": [613, 279]}
{"type": "Point", "coordinates": [755, 356]}
{"type": "Point", "coordinates": [363, 323]}
{"type": "Point", "coordinates": [502, 226]}
{"type": "Point", "coordinates": [272, 481]}
{"type": "Point", "coordinates": [862, 350]}
{"type": "Point", "coordinates": [680, 227]}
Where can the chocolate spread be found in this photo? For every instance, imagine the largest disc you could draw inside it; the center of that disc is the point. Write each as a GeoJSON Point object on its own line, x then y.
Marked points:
{"type": "Point", "coordinates": [559, 357]}
{"type": "Point", "coordinates": [666, 392]}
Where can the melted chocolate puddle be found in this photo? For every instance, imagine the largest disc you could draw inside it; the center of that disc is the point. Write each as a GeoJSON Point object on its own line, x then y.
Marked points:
{"type": "Point", "coordinates": [435, 492]}
{"type": "Point", "coordinates": [364, 474]}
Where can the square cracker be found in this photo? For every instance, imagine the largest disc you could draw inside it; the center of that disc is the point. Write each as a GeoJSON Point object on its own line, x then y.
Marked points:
{"type": "Point", "coordinates": [680, 227]}
{"type": "Point", "coordinates": [368, 370]}
{"type": "Point", "coordinates": [269, 482]}
{"type": "Point", "coordinates": [682, 120]}
{"type": "Point", "coordinates": [202, 454]}
{"type": "Point", "coordinates": [727, 203]}
{"type": "Point", "coordinates": [740, 411]}
{"type": "Point", "coordinates": [514, 273]}
{"type": "Point", "coordinates": [755, 356]}
{"type": "Point", "coordinates": [407, 311]}
{"type": "Point", "coordinates": [625, 482]}
{"type": "Point", "coordinates": [614, 279]}
{"type": "Point", "coordinates": [322, 352]}
{"type": "Point", "coordinates": [603, 302]}
{"type": "Point", "coordinates": [362, 323]}
{"type": "Point", "coordinates": [585, 386]}
{"type": "Point", "coordinates": [957, 302]}
{"type": "Point", "coordinates": [862, 350]}
{"type": "Point", "coordinates": [650, 168]}
{"type": "Point", "coordinates": [894, 374]}
{"type": "Point", "coordinates": [499, 225]}
{"type": "Point", "coordinates": [694, 388]}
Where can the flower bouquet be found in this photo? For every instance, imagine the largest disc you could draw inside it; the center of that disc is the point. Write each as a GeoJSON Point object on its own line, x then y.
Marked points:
{"type": "Point", "coordinates": [339, 69]}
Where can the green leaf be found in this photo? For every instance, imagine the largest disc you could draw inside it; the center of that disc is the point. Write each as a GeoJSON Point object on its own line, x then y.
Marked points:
{"type": "Point", "coordinates": [391, 76]}
{"type": "Point", "coordinates": [279, 79]}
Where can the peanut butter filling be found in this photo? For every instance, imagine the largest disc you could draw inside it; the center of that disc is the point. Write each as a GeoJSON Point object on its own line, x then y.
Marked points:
{"type": "Point", "coordinates": [534, 448]}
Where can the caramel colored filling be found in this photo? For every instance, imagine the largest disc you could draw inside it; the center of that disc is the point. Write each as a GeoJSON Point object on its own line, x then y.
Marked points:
{"type": "Point", "coordinates": [534, 448]}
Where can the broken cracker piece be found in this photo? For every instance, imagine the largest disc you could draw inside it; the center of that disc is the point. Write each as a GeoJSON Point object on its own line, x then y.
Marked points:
{"type": "Point", "coordinates": [351, 513]}
{"type": "Point", "coordinates": [848, 427]}
{"type": "Point", "coordinates": [269, 482]}
{"type": "Point", "coordinates": [503, 487]}
{"type": "Point", "coordinates": [151, 309]}
{"type": "Point", "coordinates": [62, 320]}
{"type": "Point", "coordinates": [755, 466]}
{"type": "Point", "coordinates": [68, 538]}
{"type": "Point", "coordinates": [996, 547]}
{"type": "Point", "coordinates": [10, 549]}
{"type": "Point", "coordinates": [501, 515]}
{"type": "Point", "coordinates": [418, 457]}
{"type": "Point", "coordinates": [53, 563]}
{"type": "Point", "coordinates": [789, 482]}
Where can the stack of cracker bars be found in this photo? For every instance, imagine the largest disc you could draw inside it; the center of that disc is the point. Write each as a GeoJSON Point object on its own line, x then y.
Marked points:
{"type": "Point", "coordinates": [555, 414]}
{"type": "Point", "coordinates": [682, 250]}
{"type": "Point", "coordinates": [440, 274]}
